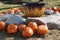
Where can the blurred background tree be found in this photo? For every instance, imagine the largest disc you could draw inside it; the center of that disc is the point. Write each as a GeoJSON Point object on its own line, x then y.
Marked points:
{"type": "Point", "coordinates": [48, 2]}
{"type": "Point", "coordinates": [21, 0]}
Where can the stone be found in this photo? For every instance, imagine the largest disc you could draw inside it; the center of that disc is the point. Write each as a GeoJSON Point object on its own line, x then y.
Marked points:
{"type": "Point", "coordinates": [6, 16]}
{"type": "Point", "coordinates": [48, 12]}
{"type": "Point", "coordinates": [15, 19]}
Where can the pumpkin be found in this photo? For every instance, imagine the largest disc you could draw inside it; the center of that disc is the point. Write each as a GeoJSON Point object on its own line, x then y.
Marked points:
{"type": "Point", "coordinates": [54, 8]}
{"type": "Point", "coordinates": [42, 29]}
{"type": "Point", "coordinates": [2, 26]}
{"type": "Point", "coordinates": [1, 14]}
{"type": "Point", "coordinates": [27, 32]}
{"type": "Point", "coordinates": [17, 11]}
{"type": "Point", "coordinates": [21, 27]}
{"type": "Point", "coordinates": [14, 8]}
{"type": "Point", "coordinates": [33, 25]}
{"type": "Point", "coordinates": [49, 8]}
{"type": "Point", "coordinates": [21, 9]}
{"type": "Point", "coordinates": [4, 12]}
{"type": "Point", "coordinates": [10, 11]}
{"type": "Point", "coordinates": [12, 29]}
{"type": "Point", "coordinates": [58, 9]}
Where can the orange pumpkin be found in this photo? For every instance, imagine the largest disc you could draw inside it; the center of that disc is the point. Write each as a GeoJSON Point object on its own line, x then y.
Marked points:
{"type": "Point", "coordinates": [12, 10]}
{"type": "Point", "coordinates": [1, 14]}
{"type": "Point", "coordinates": [54, 8]}
{"type": "Point", "coordinates": [49, 8]}
{"type": "Point", "coordinates": [2, 26]}
{"type": "Point", "coordinates": [33, 25]}
{"type": "Point", "coordinates": [42, 29]}
{"type": "Point", "coordinates": [4, 12]}
{"type": "Point", "coordinates": [9, 10]}
{"type": "Point", "coordinates": [58, 9]}
{"type": "Point", "coordinates": [21, 27]}
{"type": "Point", "coordinates": [27, 32]}
{"type": "Point", "coordinates": [21, 9]}
{"type": "Point", "coordinates": [12, 29]}
{"type": "Point", "coordinates": [18, 11]}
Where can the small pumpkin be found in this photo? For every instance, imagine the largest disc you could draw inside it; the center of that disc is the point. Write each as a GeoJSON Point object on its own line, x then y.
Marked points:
{"type": "Point", "coordinates": [58, 9]}
{"type": "Point", "coordinates": [4, 12]}
{"type": "Point", "coordinates": [12, 29]}
{"type": "Point", "coordinates": [27, 32]}
{"type": "Point", "coordinates": [2, 26]}
{"type": "Point", "coordinates": [15, 9]}
{"type": "Point", "coordinates": [1, 14]}
{"type": "Point", "coordinates": [42, 29]}
{"type": "Point", "coordinates": [54, 8]}
{"type": "Point", "coordinates": [49, 8]}
{"type": "Point", "coordinates": [18, 11]}
{"type": "Point", "coordinates": [21, 9]}
{"type": "Point", "coordinates": [21, 27]}
{"type": "Point", "coordinates": [10, 11]}
{"type": "Point", "coordinates": [33, 25]}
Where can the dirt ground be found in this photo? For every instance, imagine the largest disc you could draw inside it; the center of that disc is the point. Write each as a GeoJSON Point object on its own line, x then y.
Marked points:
{"type": "Point", "coordinates": [52, 35]}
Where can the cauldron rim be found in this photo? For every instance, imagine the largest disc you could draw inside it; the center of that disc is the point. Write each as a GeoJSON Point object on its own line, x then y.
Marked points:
{"type": "Point", "coordinates": [35, 4]}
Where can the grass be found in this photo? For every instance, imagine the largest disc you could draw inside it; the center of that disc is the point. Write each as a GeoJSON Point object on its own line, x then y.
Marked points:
{"type": "Point", "coordinates": [52, 3]}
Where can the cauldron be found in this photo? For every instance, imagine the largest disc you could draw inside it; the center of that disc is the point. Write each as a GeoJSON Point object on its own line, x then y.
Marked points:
{"type": "Point", "coordinates": [34, 9]}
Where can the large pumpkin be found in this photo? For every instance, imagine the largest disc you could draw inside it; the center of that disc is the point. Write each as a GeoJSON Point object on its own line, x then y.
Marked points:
{"type": "Point", "coordinates": [27, 32]}
{"type": "Point", "coordinates": [42, 29]}
{"type": "Point", "coordinates": [2, 26]}
{"type": "Point", "coordinates": [21, 27]}
{"type": "Point", "coordinates": [12, 29]}
{"type": "Point", "coordinates": [33, 25]}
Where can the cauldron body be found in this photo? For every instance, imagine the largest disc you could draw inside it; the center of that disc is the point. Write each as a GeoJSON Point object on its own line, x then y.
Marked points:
{"type": "Point", "coordinates": [34, 9]}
